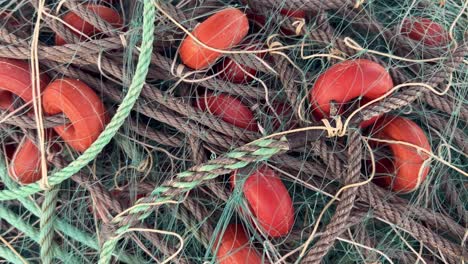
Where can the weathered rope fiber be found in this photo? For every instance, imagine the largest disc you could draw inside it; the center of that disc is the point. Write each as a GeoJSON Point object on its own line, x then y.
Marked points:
{"type": "Point", "coordinates": [122, 112]}
{"type": "Point", "coordinates": [47, 224]}
{"type": "Point", "coordinates": [185, 181]}
{"type": "Point", "coordinates": [397, 214]}
{"type": "Point", "coordinates": [61, 225]}
{"type": "Point", "coordinates": [337, 224]}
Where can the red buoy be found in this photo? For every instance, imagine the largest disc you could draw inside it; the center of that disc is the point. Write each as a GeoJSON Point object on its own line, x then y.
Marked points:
{"type": "Point", "coordinates": [222, 31]}
{"type": "Point", "coordinates": [269, 201]}
{"type": "Point", "coordinates": [406, 161]}
{"type": "Point", "coordinates": [425, 30]}
{"type": "Point", "coordinates": [346, 81]}
{"type": "Point", "coordinates": [81, 105]}
{"type": "Point", "coordinates": [235, 248]}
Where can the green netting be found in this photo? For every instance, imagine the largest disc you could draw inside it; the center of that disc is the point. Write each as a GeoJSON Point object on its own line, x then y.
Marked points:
{"type": "Point", "coordinates": [156, 186]}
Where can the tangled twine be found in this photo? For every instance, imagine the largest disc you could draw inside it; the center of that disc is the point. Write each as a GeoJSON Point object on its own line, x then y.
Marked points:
{"type": "Point", "coordinates": [208, 132]}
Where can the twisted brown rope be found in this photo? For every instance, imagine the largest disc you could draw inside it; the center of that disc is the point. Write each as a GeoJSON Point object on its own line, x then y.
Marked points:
{"type": "Point", "coordinates": [433, 219]}
{"type": "Point", "coordinates": [287, 76]}
{"type": "Point", "coordinates": [337, 223]}
{"type": "Point", "coordinates": [306, 5]}
{"type": "Point", "coordinates": [398, 214]}
{"type": "Point", "coordinates": [91, 17]}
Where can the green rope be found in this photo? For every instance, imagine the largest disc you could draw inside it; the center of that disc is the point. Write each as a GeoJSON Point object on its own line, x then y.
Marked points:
{"type": "Point", "coordinates": [190, 179]}
{"type": "Point", "coordinates": [61, 225]}
{"type": "Point", "coordinates": [111, 129]}
{"type": "Point", "coordinates": [16, 221]}
{"type": "Point", "coordinates": [47, 231]}
{"type": "Point", "coordinates": [8, 255]}
{"type": "Point", "coordinates": [138, 80]}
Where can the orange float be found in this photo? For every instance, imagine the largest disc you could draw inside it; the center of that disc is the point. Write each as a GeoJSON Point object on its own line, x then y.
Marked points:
{"type": "Point", "coordinates": [83, 108]}
{"type": "Point", "coordinates": [25, 165]}
{"type": "Point", "coordinates": [425, 30]}
{"type": "Point", "coordinates": [406, 162]}
{"type": "Point", "coordinates": [236, 73]}
{"type": "Point", "coordinates": [222, 31]}
{"type": "Point", "coordinates": [269, 201]}
{"type": "Point", "coordinates": [346, 81]}
{"type": "Point", "coordinates": [106, 13]}
{"type": "Point", "coordinates": [235, 248]}
{"type": "Point", "coordinates": [15, 79]}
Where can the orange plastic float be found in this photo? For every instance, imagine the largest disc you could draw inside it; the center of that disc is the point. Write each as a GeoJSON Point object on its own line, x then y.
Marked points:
{"type": "Point", "coordinates": [425, 30]}
{"type": "Point", "coordinates": [222, 31]}
{"type": "Point", "coordinates": [406, 161]}
{"type": "Point", "coordinates": [15, 78]}
{"type": "Point", "coordinates": [229, 109]}
{"type": "Point", "coordinates": [235, 248]}
{"type": "Point", "coordinates": [106, 13]}
{"type": "Point", "coordinates": [81, 105]}
{"type": "Point", "coordinates": [346, 81]}
{"type": "Point", "coordinates": [269, 201]}
{"type": "Point", "coordinates": [25, 164]}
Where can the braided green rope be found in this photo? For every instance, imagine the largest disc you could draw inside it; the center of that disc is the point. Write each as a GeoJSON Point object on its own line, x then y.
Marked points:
{"type": "Point", "coordinates": [46, 234]}
{"type": "Point", "coordinates": [190, 179]}
{"type": "Point", "coordinates": [16, 221]}
{"type": "Point", "coordinates": [8, 255]}
{"type": "Point", "coordinates": [61, 225]}
{"type": "Point", "coordinates": [111, 129]}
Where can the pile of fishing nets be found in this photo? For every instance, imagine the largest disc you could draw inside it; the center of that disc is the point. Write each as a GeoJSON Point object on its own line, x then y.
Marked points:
{"type": "Point", "coordinates": [255, 131]}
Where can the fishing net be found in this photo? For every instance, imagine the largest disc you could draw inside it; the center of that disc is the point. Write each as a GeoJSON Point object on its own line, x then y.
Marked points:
{"type": "Point", "coordinates": [166, 179]}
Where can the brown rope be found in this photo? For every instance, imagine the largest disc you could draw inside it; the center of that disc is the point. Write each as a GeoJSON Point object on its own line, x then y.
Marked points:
{"type": "Point", "coordinates": [306, 5]}
{"type": "Point", "coordinates": [399, 214]}
{"type": "Point", "coordinates": [91, 17]}
{"type": "Point", "coordinates": [435, 220]}
{"type": "Point", "coordinates": [337, 223]}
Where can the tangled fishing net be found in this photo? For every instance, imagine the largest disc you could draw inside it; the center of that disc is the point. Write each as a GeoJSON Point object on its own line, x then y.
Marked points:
{"type": "Point", "coordinates": [209, 131]}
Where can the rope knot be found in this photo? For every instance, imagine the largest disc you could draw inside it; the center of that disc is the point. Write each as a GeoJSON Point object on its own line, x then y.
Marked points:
{"type": "Point", "coordinates": [337, 131]}
{"type": "Point", "coordinates": [299, 25]}
{"type": "Point", "coordinates": [273, 44]}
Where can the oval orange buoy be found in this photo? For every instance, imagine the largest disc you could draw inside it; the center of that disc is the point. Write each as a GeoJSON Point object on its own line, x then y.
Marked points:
{"type": "Point", "coordinates": [106, 13]}
{"type": "Point", "coordinates": [347, 80]}
{"type": "Point", "coordinates": [229, 109]}
{"type": "Point", "coordinates": [222, 30]}
{"type": "Point", "coordinates": [269, 201]}
{"type": "Point", "coordinates": [25, 163]}
{"type": "Point", "coordinates": [406, 161]}
{"type": "Point", "coordinates": [235, 247]}
{"type": "Point", "coordinates": [236, 73]}
{"type": "Point", "coordinates": [15, 78]}
{"type": "Point", "coordinates": [425, 30]}
{"type": "Point", "coordinates": [81, 105]}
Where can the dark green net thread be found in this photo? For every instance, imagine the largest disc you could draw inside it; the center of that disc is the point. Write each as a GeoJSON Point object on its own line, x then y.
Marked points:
{"type": "Point", "coordinates": [183, 185]}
